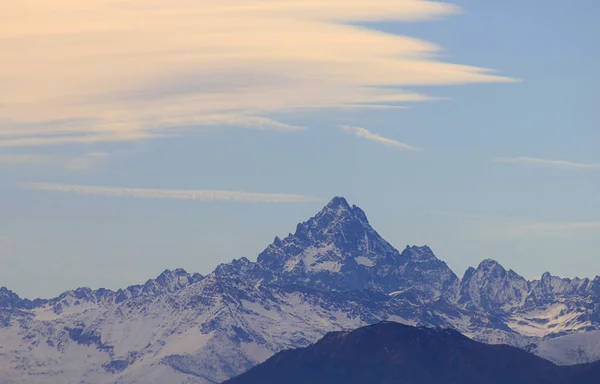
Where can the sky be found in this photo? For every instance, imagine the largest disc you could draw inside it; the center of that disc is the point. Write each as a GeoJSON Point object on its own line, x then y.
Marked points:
{"type": "Point", "coordinates": [137, 136]}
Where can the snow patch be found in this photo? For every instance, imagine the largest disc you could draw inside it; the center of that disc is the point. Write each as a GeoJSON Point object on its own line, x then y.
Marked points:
{"type": "Point", "coordinates": [362, 260]}
{"type": "Point", "coordinates": [331, 266]}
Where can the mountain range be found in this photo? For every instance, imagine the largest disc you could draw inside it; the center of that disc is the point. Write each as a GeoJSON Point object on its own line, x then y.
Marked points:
{"type": "Point", "coordinates": [392, 353]}
{"type": "Point", "coordinates": [334, 273]}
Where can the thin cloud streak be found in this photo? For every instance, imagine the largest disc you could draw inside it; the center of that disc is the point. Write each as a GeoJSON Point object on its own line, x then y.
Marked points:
{"type": "Point", "coordinates": [368, 135]}
{"type": "Point", "coordinates": [86, 161]}
{"type": "Point", "coordinates": [80, 163]}
{"type": "Point", "coordinates": [204, 195]}
{"type": "Point", "coordinates": [148, 127]}
{"type": "Point", "coordinates": [545, 162]}
{"type": "Point", "coordinates": [68, 62]}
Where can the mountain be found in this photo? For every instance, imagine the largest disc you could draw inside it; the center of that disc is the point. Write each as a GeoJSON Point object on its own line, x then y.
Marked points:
{"type": "Point", "coordinates": [491, 288]}
{"type": "Point", "coordinates": [334, 273]}
{"type": "Point", "coordinates": [393, 353]}
{"type": "Point", "coordinates": [339, 250]}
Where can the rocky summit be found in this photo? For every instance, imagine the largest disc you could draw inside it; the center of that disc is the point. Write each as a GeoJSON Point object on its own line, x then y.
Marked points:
{"type": "Point", "coordinates": [334, 273]}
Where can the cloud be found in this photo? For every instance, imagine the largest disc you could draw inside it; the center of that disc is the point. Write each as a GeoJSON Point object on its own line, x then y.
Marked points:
{"type": "Point", "coordinates": [206, 195]}
{"type": "Point", "coordinates": [150, 128]}
{"type": "Point", "coordinates": [86, 161]}
{"type": "Point", "coordinates": [249, 122]}
{"type": "Point", "coordinates": [80, 162]}
{"type": "Point", "coordinates": [118, 70]}
{"type": "Point", "coordinates": [366, 134]}
{"type": "Point", "coordinates": [545, 162]}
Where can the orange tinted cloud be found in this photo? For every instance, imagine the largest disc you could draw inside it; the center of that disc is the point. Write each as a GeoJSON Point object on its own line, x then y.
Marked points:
{"type": "Point", "coordinates": [122, 68]}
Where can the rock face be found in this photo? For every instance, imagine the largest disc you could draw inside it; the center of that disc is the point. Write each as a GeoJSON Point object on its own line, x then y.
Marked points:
{"type": "Point", "coordinates": [334, 273]}
{"type": "Point", "coordinates": [491, 288]}
{"type": "Point", "coordinates": [338, 250]}
{"type": "Point", "coordinates": [392, 353]}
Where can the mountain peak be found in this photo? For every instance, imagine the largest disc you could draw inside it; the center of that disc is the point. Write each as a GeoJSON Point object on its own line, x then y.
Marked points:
{"type": "Point", "coordinates": [489, 264]}
{"type": "Point", "coordinates": [419, 254]}
{"type": "Point", "coordinates": [9, 299]}
{"type": "Point", "coordinates": [338, 209]}
{"type": "Point", "coordinates": [492, 288]}
{"type": "Point", "coordinates": [337, 249]}
{"type": "Point", "coordinates": [338, 201]}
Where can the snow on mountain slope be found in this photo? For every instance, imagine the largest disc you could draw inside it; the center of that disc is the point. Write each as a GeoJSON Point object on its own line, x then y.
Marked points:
{"type": "Point", "coordinates": [491, 288]}
{"type": "Point", "coordinates": [208, 332]}
{"type": "Point", "coordinates": [577, 348]}
{"type": "Point", "coordinates": [334, 273]}
{"type": "Point", "coordinates": [339, 250]}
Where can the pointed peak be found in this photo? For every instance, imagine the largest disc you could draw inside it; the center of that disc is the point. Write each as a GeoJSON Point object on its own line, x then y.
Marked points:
{"type": "Point", "coordinates": [241, 261]}
{"type": "Point", "coordinates": [488, 264]}
{"type": "Point", "coordinates": [416, 253]}
{"type": "Point", "coordinates": [468, 273]}
{"type": "Point", "coordinates": [337, 202]}
{"type": "Point", "coordinates": [164, 273]}
{"type": "Point", "coordinates": [5, 290]}
{"type": "Point", "coordinates": [167, 273]}
{"type": "Point", "coordinates": [494, 268]}
{"type": "Point", "coordinates": [167, 276]}
{"type": "Point", "coordinates": [236, 266]}
{"type": "Point", "coordinates": [180, 272]}
{"type": "Point", "coordinates": [339, 208]}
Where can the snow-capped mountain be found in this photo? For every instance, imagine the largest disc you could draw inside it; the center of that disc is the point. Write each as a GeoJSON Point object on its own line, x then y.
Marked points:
{"type": "Point", "coordinates": [334, 273]}
{"type": "Point", "coordinates": [339, 250]}
{"type": "Point", "coordinates": [493, 289]}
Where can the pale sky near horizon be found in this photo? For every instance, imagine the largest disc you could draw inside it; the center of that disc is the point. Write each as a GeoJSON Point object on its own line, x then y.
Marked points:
{"type": "Point", "coordinates": [137, 136]}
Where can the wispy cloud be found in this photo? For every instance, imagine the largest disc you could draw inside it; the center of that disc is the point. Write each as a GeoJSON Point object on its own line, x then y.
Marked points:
{"type": "Point", "coordinates": [86, 161]}
{"type": "Point", "coordinates": [189, 61]}
{"type": "Point", "coordinates": [252, 122]}
{"type": "Point", "coordinates": [368, 135]}
{"type": "Point", "coordinates": [206, 195]}
{"type": "Point", "coordinates": [147, 127]}
{"type": "Point", "coordinates": [545, 162]}
{"type": "Point", "coordinates": [80, 162]}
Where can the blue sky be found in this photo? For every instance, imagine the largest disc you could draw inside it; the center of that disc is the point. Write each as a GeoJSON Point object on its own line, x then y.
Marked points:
{"type": "Point", "coordinates": [506, 164]}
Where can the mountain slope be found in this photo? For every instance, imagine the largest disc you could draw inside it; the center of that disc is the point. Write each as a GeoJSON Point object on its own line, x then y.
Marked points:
{"type": "Point", "coordinates": [334, 273]}
{"type": "Point", "coordinates": [392, 353]}
{"type": "Point", "coordinates": [491, 288]}
{"type": "Point", "coordinates": [339, 250]}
